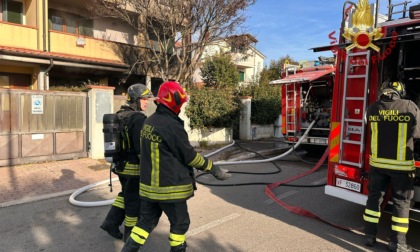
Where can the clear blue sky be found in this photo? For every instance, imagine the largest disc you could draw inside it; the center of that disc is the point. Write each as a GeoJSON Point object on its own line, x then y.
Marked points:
{"type": "Point", "coordinates": [293, 27]}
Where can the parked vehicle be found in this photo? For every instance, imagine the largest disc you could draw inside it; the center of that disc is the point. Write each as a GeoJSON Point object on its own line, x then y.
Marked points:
{"type": "Point", "coordinates": [306, 94]}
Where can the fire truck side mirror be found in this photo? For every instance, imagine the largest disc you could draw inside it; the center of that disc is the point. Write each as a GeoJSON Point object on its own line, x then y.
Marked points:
{"type": "Point", "coordinates": [414, 11]}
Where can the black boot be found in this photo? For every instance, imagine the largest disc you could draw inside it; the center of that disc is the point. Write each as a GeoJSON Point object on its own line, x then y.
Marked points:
{"type": "Point", "coordinates": [112, 229]}
{"type": "Point", "coordinates": [113, 221]}
{"type": "Point", "coordinates": [127, 232]}
{"type": "Point", "coordinates": [131, 246]}
{"type": "Point", "coordinates": [369, 240]}
{"type": "Point", "coordinates": [396, 247]}
{"type": "Point", "coordinates": [179, 248]}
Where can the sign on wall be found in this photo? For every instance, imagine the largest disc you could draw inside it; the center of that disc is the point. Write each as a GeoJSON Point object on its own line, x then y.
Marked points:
{"type": "Point", "coordinates": [37, 104]}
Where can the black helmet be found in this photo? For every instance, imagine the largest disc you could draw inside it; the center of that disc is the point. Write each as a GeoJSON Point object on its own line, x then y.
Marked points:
{"type": "Point", "coordinates": [138, 91]}
{"type": "Point", "coordinates": [393, 87]}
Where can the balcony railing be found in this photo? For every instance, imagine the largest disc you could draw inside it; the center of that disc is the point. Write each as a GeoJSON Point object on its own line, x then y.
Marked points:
{"type": "Point", "coordinates": [14, 35]}
{"type": "Point", "coordinates": [84, 46]}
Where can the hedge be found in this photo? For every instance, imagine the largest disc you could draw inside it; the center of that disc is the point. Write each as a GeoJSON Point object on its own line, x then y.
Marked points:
{"type": "Point", "coordinates": [209, 107]}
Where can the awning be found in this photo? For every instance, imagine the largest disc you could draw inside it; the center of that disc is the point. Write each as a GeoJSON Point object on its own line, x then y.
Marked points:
{"type": "Point", "coordinates": [305, 75]}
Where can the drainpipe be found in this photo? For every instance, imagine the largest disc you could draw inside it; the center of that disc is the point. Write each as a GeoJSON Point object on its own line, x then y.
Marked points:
{"type": "Point", "coordinates": [46, 76]}
{"type": "Point", "coordinates": [44, 27]}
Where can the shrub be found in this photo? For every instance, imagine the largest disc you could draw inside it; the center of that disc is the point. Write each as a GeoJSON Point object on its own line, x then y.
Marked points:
{"type": "Point", "coordinates": [209, 107]}
{"type": "Point", "coordinates": [265, 103]}
{"type": "Point", "coordinates": [219, 72]}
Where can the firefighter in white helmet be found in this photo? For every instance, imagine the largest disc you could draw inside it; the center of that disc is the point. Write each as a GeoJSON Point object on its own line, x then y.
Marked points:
{"type": "Point", "coordinates": [127, 204]}
{"type": "Point", "coordinates": [393, 122]}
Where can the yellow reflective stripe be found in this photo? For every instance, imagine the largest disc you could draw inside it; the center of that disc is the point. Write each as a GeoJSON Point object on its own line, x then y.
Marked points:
{"type": "Point", "coordinates": [400, 229]}
{"type": "Point", "coordinates": [154, 150]}
{"type": "Point", "coordinates": [209, 165]}
{"type": "Point", "coordinates": [198, 161]}
{"type": "Point", "coordinates": [172, 196]}
{"type": "Point", "coordinates": [195, 160]}
{"type": "Point", "coordinates": [402, 141]}
{"type": "Point", "coordinates": [373, 213]}
{"type": "Point", "coordinates": [131, 169]}
{"type": "Point", "coordinates": [166, 189]}
{"type": "Point", "coordinates": [399, 167]}
{"type": "Point", "coordinates": [176, 239]}
{"type": "Point", "coordinates": [370, 219]}
{"type": "Point", "coordinates": [119, 202]}
{"type": "Point", "coordinates": [139, 235]}
{"type": "Point", "coordinates": [166, 193]}
{"type": "Point", "coordinates": [393, 161]}
{"type": "Point", "coordinates": [130, 221]}
{"type": "Point", "coordinates": [374, 139]}
{"type": "Point", "coordinates": [128, 139]}
{"type": "Point", "coordinates": [400, 220]}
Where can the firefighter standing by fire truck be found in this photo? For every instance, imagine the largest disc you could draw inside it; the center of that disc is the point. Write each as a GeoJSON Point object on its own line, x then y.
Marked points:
{"type": "Point", "coordinates": [166, 174]}
{"type": "Point", "coordinates": [127, 204]}
{"type": "Point", "coordinates": [394, 122]}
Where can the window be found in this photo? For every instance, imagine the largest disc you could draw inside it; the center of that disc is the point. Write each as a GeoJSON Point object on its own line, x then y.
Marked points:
{"type": "Point", "coordinates": [241, 76]}
{"type": "Point", "coordinates": [86, 27]}
{"type": "Point", "coordinates": [70, 23]}
{"type": "Point", "coordinates": [13, 12]}
{"type": "Point", "coordinates": [71, 26]}
{"type": "Point", "coordinates": [57, 23]}
{"type": "Point", "coordinates": [11, 80]}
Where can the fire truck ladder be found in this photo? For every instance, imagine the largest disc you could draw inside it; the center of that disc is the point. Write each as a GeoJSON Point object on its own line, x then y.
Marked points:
{"type": "Point", "coordinates": [291, 117]}
{"type": "Point", "coordinates": [345, 120]}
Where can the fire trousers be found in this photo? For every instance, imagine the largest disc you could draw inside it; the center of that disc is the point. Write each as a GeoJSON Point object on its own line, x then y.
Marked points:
{"type": "Point", "coordinates": [177, 214]}
{"type": "Point", "coordinates": [402, 189]}
{"type": "Point", "coordinates": [127, 204]}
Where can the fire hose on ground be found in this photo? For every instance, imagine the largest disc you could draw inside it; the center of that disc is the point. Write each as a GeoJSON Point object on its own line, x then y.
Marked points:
{"type": "Point", "coordinates": [75, 202]}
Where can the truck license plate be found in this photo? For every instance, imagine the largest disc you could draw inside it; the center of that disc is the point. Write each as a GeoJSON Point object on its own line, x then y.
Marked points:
{"type": "Point", "coordinates": [320, 141]}
{"type": "Point", "coordinates": [348, 184]}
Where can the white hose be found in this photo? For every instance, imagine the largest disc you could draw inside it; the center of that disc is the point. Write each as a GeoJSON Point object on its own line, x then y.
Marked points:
{"type": "Point", "coordinates": [219, 150]}
{"type": "Point", "coordinates": [75, 202]}
{"type": "Point", "coordinates": [273, 158]}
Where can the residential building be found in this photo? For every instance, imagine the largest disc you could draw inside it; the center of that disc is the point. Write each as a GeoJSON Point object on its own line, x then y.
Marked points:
{"type": "Point", "coordinates": [46, 43]}
{"type": "Point", "coordinates": [248, 60]}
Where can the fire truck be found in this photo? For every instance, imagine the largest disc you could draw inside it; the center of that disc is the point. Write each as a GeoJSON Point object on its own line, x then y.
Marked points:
{"type": "Point", "coordinates": [368, 52]}
{"type": "Point", "coordinates": [307, 96]}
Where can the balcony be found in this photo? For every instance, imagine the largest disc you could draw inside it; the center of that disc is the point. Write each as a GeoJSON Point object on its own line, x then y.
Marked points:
{"type": "Point", "coordinates": [75, 45]}
{"type": "Point", "coordinates": [15, 35]}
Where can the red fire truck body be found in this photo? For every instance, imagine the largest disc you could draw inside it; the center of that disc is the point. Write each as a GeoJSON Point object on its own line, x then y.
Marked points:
{"type": "Point", "coordinates": [364, 59]}
{"type": "Point", "coordinates": [306, 96]}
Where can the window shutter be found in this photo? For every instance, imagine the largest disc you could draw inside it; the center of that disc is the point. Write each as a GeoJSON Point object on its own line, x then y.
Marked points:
{"type": "Point", "coordinates": [14, 12]}
{"type": "Point", "coordinates": [241, 76]}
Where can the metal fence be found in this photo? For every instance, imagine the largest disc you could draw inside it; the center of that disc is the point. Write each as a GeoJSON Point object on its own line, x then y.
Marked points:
{"type": "Point", "coordinates": [42, 126]}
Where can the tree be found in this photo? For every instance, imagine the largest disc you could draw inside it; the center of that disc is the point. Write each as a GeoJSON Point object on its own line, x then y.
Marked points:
{"type": "Point", "coordinates": [174, 32]}
{"type": "Point", "coordinates": [273, 71]}
{"type": "Point", "coordinates": [219, 71]}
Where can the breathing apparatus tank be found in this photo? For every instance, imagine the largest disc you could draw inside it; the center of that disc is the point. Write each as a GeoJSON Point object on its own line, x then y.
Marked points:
{"type": "Point", "coordinates": [112, 139]}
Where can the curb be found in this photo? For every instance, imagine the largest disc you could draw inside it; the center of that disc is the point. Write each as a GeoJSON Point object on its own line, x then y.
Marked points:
{"type": "Point", "coordinates": [35, 198]}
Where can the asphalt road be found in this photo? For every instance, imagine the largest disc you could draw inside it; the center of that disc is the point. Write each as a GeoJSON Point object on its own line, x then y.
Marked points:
{"type": "Point", "coordinates": [223, 218]}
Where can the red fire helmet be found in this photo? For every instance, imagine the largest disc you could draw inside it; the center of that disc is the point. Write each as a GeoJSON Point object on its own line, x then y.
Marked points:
{"type": "Point", "coordinates": [172, 96]}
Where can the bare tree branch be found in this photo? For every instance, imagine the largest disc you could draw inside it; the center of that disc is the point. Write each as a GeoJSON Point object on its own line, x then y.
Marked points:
{"type": "Point", "coordinates": [173, 33]}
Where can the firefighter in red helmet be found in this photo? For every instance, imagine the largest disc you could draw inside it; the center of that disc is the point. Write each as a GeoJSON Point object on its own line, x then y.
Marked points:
{"type": "Point", "coordinates": [394, 122]}
{"type": "Point", "coordinates": [166, 175]}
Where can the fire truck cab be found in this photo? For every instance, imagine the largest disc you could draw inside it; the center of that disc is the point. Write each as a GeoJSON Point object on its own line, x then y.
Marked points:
{"type": "Point", "coordinates": [368, 53]}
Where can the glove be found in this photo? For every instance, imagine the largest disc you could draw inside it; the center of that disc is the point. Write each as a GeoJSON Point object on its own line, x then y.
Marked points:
{"type": "Point", "coordinates": [220, 174]}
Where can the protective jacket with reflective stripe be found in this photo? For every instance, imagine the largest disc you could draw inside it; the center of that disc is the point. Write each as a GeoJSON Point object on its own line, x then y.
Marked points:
{"type": "Point", "coordinates": [167, 159]}
{"type": "Point", "coordinates": [394, 121]}
{"type": "Point", "coordinates": [135, 120]}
